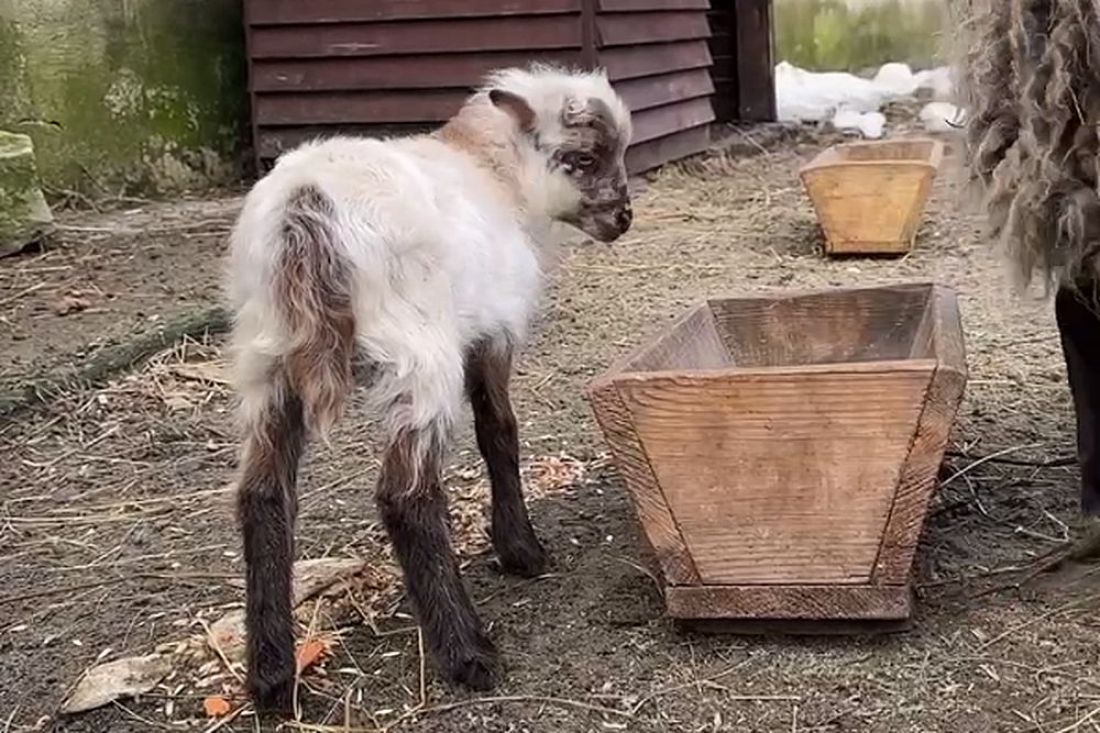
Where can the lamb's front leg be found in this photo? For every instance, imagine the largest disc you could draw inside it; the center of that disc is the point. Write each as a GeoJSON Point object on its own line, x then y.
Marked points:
{"type": "Point", "coordinates": [414, 511]}
{"type": "Point", "coordinates": [488, 369]}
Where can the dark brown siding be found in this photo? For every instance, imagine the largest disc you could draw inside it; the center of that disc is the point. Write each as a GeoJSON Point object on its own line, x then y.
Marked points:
{"type": "Point", "coordinates": [656, 54]}
{"type": "Point", "coordinates": [395, 66]}
{"type": "Point", "coordinates": [743, 70]}
{"type": "Point", "coordinates": [387, 66]}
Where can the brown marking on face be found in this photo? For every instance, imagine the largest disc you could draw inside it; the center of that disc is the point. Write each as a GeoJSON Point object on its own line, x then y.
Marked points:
{"type": "Point", "coordinates": [592, 154]}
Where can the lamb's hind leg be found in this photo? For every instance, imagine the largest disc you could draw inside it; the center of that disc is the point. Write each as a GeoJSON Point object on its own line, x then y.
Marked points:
{"type": "Point", "coordinates": [414, 511]}
{"type": "Point", "coordinates": [266, 508]}
{"type": "Point", "coordinates": [488, 369]}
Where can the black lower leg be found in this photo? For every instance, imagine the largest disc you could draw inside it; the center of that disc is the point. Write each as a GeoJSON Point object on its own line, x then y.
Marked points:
{"type": "Point", "coordinates": [414, 511]}
{"type": "Point", "coordinates": [487, 374]}
{"type": "Point", "coordinates": [266, 506]}
{"type": "Point", "coordinates": [1079, 327]}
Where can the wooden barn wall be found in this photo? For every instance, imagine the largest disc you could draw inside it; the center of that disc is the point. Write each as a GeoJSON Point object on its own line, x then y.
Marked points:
{"type": "Point", "coordinates": [390, 66]}
{"type": "Point", "coordinates": [387, 66]}
{"type": "Point", "coordinates": [655, 52]}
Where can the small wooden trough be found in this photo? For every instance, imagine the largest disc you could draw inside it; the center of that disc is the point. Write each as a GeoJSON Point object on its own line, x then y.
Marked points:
{"type": "Point", "coordinates": [870, 196]}
{"type": "Point", "coordinates": [781, 451]}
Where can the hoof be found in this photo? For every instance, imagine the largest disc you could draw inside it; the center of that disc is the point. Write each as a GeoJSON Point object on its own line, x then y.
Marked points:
{"type": "Point", "coordinates": [523, 557]}
{"type": "Point", "coordinates": [273, 695]}
{"type": "Point", "coordinates": [474, 666]}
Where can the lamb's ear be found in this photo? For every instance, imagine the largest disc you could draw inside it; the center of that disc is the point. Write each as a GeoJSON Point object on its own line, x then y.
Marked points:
{"type": "Point", "coordinates": [516, 106]}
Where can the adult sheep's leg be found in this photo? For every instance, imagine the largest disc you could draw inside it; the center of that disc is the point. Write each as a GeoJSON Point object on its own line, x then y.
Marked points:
{"type": "Point", "coordinates": [1079, 327]}
{"type": "Point", "coordinates": [488, 369]}
{"type": "Point", "coordinates": [266, 509]}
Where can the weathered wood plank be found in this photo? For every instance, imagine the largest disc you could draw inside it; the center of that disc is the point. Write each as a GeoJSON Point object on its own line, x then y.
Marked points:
{"type": "Point", "coordinates": [658, 91]}
{"type": "Point", "coordinates": [692, 342]}
{"type": "Point", "coordinates": [917, 481]}
{"type": "Point", "coordinates": [626, 6]}
{"type": "Point", "coordinates": [621, 29]}
{"type": "Point", "coordinates": [330, 108]}
{"type": "Point", "coordinates": [661, 532]}
{"type": "Point", "coordinates": [273, 141]}
{"type": "Point", "coordinates": [864, 324]}
{"type": "Point", "coordinates": [811, 602]}
{"type": "Point", "coordinates": [503, 33]}
{"type": "Point", "coordinates": [775, 475]}
{"type": "Point", "coordinates": [374, 73]}
{"type": "Point", "coordinates": [644, 156]}
{"type": "Point", "coordinates": [293, 12]}
{"type": "Point", "coordinates": [650, 124]}
{"type": "Point", "coordinates": [628, 62]}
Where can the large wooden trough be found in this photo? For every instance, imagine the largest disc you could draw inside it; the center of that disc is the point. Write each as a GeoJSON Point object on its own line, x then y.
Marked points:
{"type": "Point", "coordinates": [781, 451]}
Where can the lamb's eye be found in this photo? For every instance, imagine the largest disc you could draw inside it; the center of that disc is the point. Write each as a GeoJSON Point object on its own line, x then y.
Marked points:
{"type": "Point", "coordinates": [584, 160]}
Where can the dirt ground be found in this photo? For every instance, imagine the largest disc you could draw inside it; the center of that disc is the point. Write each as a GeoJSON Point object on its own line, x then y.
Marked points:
{"type": "Point", "coordinates": [117, 534]}
{"type": "Point", "coordinates": [101, 279]}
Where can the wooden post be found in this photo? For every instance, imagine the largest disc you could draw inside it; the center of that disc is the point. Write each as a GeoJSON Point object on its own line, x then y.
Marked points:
{"type": "Point", "coordinates": [755, 60]}
{"type": "Point", "coordinates": [589, 41]}
{"type": "Point", "coordinates": [723, 68]}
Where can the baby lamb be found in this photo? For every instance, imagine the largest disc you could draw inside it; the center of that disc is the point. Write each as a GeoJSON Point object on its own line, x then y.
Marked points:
{"type": "Point", "coordinates": [412, 266]}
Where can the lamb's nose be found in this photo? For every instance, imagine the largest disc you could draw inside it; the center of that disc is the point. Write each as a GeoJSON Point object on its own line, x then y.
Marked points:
{"type": "Point", "coordinates": [624, 218]}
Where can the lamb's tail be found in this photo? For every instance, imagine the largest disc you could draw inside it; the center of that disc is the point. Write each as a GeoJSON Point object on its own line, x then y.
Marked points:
{"type": "Point", "coordinates": [313, 286]}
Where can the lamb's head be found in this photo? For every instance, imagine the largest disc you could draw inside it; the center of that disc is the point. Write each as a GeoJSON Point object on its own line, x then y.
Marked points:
{"type": "Point", "coordinates": [577, 129]}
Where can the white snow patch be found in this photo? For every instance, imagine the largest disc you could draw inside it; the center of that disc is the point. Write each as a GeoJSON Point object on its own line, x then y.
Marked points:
{"type": "Point", "coordinates": [941, 117]}
{"type": "Point", "coordinates": [853, 103]}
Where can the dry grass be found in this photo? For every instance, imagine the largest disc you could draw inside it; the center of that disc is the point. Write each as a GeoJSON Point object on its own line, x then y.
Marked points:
{"type": "Point", "coordinates": [116, 531]}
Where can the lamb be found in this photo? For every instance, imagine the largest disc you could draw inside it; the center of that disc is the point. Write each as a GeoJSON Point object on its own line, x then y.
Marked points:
{"type": "Point", "coordinates": [1031, 78]}
{"type": "Point", "coordinates": [410, 266]}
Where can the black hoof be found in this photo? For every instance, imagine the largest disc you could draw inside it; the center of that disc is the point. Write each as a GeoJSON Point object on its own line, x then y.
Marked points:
{"type": "Point", "coordinates": [522, 556]}
{"type": "Point", "coordinates": [273, 696]}
{"type": "Point", "coordinates": [1090, 499]}
{"type": "Point", "coordinates": [474, 666]}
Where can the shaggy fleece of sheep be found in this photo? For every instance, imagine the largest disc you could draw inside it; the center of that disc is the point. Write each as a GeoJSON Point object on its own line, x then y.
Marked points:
{"type": "Point", "coordinates": [1031, 80]}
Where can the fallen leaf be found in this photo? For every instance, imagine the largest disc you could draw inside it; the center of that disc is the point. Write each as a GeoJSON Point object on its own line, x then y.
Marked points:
{"type": "Point", "coordinates": [310, 578]}
{"type": "Point", "coordinates": [208, 371]}
{"type": "Point", "coordinates": [227, 635]}
{"type": "Point", "coordinates": [67, 304]}
{"type": "Point", "coordinates": [177, 403]}
{"type": "Point", "coordinates": [313, 576]}
{"type": "Point", "coordinates": [310, 653]}
{"type": "Point", "coordinates": [113, 680]}
{"type": "Point", "coordinates": [216, 706]}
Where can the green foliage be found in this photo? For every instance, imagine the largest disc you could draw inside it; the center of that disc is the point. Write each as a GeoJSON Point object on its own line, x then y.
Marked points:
{"type": "Point", "coordinates": [834, 35]}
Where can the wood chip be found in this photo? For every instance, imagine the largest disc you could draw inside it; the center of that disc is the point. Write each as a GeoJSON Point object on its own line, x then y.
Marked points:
{"type": "Point", "coordinates": [113, 680]}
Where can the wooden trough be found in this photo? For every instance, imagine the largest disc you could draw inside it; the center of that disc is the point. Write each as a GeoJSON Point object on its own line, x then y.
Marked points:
{"type": "Point", "coordinates": [870, 196]}
{"type": "Point", "coordinates": [781, 451]}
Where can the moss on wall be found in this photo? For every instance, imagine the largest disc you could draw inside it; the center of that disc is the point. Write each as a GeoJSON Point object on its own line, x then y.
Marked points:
{"type": "Point", "coordinates": [137, 96]}
{"type": "Point", "coordinates": [24, 214]}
